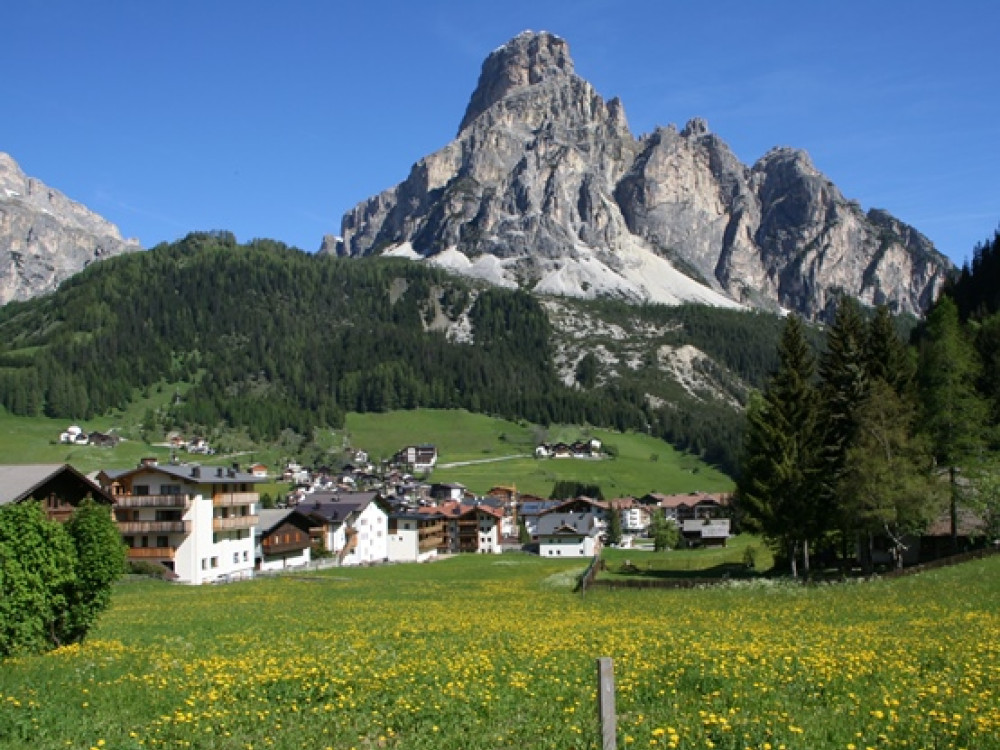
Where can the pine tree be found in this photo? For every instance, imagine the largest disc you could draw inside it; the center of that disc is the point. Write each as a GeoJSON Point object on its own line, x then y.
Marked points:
{"type": "Point", "coordinates": [886, 355]}
{"type": "Point", "coordinates": [614, 525]}
{"type": "Point", "coordinates": [844, 385]}
{"type": "Point", "coordinates": [953, 412]}
{"type": "Point", "coordinates": [779, 481]}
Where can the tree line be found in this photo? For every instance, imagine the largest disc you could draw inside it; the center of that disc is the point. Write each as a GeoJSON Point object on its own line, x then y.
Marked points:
{"type": "Point", "coordinates": [877, 436]}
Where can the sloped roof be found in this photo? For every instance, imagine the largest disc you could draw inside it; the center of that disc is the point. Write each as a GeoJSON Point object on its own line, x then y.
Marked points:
{"type": "Point", "coordinates": [272, 518]}
{"type": "Point", "coordinates": [20, 482]}
{"type": "Point", "coordinates": [190, 473]}
{"type": "Point", "coordinates": [568, 524]}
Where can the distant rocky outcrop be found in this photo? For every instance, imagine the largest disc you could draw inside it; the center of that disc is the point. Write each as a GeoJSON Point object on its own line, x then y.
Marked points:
{"type": "Point", "coordinates": [45, 237]}
{"type": "Point", "coordinates": [546, 187]}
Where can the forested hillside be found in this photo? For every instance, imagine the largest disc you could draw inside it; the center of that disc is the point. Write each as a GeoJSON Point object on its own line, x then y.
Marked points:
{"type": "Point", "coordinates": [271, 338]}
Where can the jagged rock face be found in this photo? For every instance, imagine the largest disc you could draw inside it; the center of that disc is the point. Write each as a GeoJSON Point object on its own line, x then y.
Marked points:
{"type": "Point", "coordinates": [45, 237]}
{"type": "Point", "coordinates": [547, 182]}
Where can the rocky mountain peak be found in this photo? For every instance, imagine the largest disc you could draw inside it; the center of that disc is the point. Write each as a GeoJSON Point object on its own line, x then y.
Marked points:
{"type": "Point", "coordinates": [46, 237]}
{"type": "Point", "coordinates": [526, 60]}
{"type": "Point", "coordinates": [545, 187]}
{"type": "Point", "coordinates": [695, 127]}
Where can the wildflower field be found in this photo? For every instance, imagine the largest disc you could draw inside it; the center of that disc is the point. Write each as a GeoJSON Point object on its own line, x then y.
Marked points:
{"type": "Point", "coordinates": [497, 652]}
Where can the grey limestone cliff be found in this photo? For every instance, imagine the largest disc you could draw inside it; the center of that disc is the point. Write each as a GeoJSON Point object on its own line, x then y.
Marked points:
{"type": "Point", "coordinates": [545, 186]}
{"type": "Point", "coordinates": [45, 237]}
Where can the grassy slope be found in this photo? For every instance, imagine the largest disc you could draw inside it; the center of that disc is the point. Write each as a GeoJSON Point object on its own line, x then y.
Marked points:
{"type": "Point", "coordinates": [641, 464]}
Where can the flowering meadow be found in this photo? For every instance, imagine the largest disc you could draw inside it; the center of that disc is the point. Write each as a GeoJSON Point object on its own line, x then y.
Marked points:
{"type": "Point", "coordinates": [497, 652]}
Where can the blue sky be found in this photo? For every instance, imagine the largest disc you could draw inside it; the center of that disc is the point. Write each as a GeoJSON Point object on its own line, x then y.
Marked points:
{"type": "Point", "coordinates": [271, 119]}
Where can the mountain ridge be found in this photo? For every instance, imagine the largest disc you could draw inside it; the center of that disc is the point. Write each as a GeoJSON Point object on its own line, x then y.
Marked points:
{"type": "Point", "coordinates": [546, 177]}
{"type": "Point", "coordinates": [46, 237]}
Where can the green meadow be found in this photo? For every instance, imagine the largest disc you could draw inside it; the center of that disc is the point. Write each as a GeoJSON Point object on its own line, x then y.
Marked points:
{"type": "Point", "coordinates": [483, 652]}
{"type": "Point", "coordinates": [475, 450]}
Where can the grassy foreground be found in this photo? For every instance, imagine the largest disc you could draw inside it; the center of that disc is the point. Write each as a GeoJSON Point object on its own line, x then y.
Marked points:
{"type": "Point", "coordinates": [484, 652]}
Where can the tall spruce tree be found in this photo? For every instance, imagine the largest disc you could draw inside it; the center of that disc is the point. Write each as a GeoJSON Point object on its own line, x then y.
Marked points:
{"type": "Point", "coordinates": [887, 357]}
{"type": "Point", "coordinates": [779, 483]}
{"type": "Point", "coordinates": [953, 412]}
{"type": "Point", "coordinates": [843, 386]}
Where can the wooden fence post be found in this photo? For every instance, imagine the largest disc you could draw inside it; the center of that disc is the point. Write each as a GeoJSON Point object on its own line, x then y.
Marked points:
{"type": "Point", "coordinates": [606, 703]}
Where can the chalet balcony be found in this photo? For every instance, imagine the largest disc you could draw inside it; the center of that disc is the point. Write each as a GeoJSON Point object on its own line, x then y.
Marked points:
{"type": "Point", "coordinates": [276, 548]}
{"type": "Point", "coordinates": [234, 522]}
{"type": "Point", "coordinates": [154, 527]}
{"type": "Point", "coordinates": [152, 553]}
{"type": "Point", "coordinates": [152, 501]}
{"type": "Point", "coordinates": [229, 499]}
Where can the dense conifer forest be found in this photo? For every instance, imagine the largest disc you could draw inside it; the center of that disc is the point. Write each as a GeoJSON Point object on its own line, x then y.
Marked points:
{"type": "Point", "coordinates": [269, 338]}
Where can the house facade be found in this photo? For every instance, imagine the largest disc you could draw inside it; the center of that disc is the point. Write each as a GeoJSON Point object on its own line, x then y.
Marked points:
{"type": "Point", "coordinates": [282, 540]}
{"type": "Point", "coordinates": [197, 522]}
{"type": "Point", "coordinates": [415, 537]}
{"type": "Point", "coordinates": [419, 458]}
{"type": "Point", "coordinates": [354, 526]}
{"type": "Point", "coordinates": [568, 535]}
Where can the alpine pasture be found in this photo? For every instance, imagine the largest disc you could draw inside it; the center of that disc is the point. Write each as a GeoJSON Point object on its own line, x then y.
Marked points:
{"type": "Point", "coordinates": [498, 652]}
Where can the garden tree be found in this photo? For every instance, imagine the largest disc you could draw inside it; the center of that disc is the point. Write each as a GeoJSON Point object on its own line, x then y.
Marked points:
{"type": "Point", "coordinates": [953, 413]}
{"type": "Point", "coordinates": [37, 576]}
{"type": "Point", "coordinates": [782, 463]}
{"type": "Point", "coordinates": [886, 482]}
{"type": "Point", "coordinates": [614, 524]}
{"type": "Point", "coordinates": [100, 561]}
{"type": "Point", "coordinates": [665, 533]}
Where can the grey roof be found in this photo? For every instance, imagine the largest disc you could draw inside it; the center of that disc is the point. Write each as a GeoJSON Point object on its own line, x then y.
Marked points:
{"type": "Point", "coordinates": [537, 507]}
{"type": "Point", "coordinates": [192, 474]}
{"type": "Point", "coordinates": [571, 524]}
{"type": "Point", "coordinates": [18, 482]}
{"type": "Point", "coordinates": [271, 517]}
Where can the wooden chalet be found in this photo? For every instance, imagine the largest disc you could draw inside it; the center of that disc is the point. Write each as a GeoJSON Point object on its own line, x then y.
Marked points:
{"type": "Point", "coordinates": [58, 487]}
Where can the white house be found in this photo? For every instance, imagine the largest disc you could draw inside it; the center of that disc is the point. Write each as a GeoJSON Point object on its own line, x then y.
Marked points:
{"type": "Point", "coordinates": [568, 535]}
{"type": "Point", "coordinates": [352, 525]}
{"type": "Point", "coordinates": [196, 521]}
{"type": "Point", "coordinates": [415, 537]}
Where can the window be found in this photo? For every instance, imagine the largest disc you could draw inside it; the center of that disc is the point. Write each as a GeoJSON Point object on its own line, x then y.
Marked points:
{"type": "Point", "coordinates": [215, 562]}
{"type": "Point", "coordinates": [170, 489]}
{"type": "Point", "coordinates": [129, 541]}
{"type": "Point", "coordinates": [140, 489]}
{"type": "Point", "coordinates": [244, 555]}
{"type": "Point", "coordinates": [236, 557]}
{"type": "Point", "coordinates": [161, 542]}
{"type": "Point", "coordinates": [204, 564]}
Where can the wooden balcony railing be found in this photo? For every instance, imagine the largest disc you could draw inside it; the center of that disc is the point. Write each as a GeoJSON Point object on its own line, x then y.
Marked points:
{"type": "Point", "coordinates": [229, 499]}
{"type": "Point", "coordinates": [234, 522]}
{"type": "Point", "coordinates": [152, 553]}
{"type": "Point", "coordinates": [275, 548]}
{"type": "Point", "coordinates": [152, 501]}
{"type": "Point", "coordinates": [154, 527]}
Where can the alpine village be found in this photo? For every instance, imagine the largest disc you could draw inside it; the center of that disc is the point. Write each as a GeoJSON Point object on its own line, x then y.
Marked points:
{"type": "Point", "coordinates": [563, 393]}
